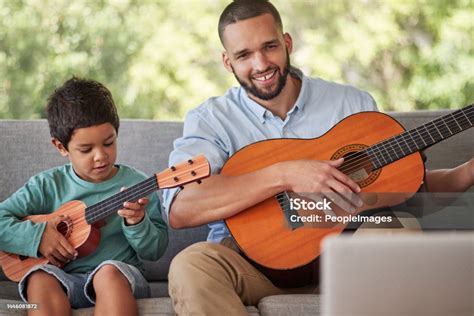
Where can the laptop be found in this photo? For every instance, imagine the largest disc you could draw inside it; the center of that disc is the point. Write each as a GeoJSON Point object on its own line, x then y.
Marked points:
{"type": "Point", "coordinates": [399, 274]}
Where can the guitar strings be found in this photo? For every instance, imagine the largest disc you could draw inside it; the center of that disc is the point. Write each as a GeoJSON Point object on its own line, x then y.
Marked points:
{"type": "Point", "coordinates": [387, 144]}
{"type": "Point", "coordinates": [354, 163]}
{"type": "Point", "coordinates": [385, 147]}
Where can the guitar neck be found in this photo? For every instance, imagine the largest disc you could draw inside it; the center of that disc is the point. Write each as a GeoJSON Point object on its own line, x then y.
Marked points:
{"type": "Point", "coordinates": [422, 137]}
{"type": "Point", "coordinates": [101, 210]}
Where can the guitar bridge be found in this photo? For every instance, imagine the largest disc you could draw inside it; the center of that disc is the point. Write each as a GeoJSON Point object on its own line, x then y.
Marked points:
{"type": "Point", "coordinates": [283, 199]}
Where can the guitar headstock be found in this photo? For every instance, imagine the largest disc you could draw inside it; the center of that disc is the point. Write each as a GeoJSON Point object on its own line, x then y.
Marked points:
{"type": "Point", "coordinates": [192, 170]}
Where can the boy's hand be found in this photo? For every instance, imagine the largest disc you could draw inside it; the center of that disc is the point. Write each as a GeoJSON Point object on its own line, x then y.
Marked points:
{"type": "Point", "coordinates": [133, 212]}
{"type": "Point", "coordinates": [54, 246]}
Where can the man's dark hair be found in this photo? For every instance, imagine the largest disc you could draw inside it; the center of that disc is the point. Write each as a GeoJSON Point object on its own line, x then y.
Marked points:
{"type": "Point", "coordinates": [240, 10]}
{"type": "Point", "coordinates": [79, 103]}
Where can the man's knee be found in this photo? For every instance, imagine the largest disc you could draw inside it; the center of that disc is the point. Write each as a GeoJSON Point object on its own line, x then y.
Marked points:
{"type": "Point", "coordinates": [191, 258]}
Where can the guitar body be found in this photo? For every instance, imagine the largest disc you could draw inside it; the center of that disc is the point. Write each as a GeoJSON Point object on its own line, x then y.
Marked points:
{"type": "Point", "coordinates": [262, 232]}
{"type": "Point", "coordinates": [82, 236]}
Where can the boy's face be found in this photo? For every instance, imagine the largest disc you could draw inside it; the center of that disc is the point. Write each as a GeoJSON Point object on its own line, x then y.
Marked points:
{"type": "Point", "coordinates": [92, 152]}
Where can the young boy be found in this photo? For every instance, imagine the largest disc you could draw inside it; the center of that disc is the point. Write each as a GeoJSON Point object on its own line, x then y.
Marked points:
{"type": "Point", "coordinates": [83, 123]}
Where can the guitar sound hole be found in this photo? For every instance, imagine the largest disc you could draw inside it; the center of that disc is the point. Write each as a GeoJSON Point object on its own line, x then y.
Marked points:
{"type": "Point", "coordinates": [357, 164]}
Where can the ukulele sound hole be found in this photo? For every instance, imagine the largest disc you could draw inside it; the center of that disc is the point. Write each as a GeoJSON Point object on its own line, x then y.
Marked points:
{"type": "Point", "coordinates": [357, 164]}
{"type": "Point", "coordinates": [65, 227]}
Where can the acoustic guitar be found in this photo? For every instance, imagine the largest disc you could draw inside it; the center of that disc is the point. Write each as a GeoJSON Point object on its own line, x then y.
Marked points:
{"type": "Point", "coordinates": [81, 229]}
{"type": "Point", "coordinates": [379, 155]}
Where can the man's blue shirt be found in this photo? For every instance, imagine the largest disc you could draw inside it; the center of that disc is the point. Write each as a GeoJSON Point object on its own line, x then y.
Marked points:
{"type": "Point", "coordinates": [222, 125]}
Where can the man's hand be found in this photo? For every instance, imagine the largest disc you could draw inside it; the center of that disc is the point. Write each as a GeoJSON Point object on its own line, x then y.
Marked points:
{"type": "Point", "coordinates": [54, 246]}
{"type": "Point", "coordinates": [470, 166]}
{"type": "Point", "coordinates": [311, 176]}
{"type": "Point", "coordinates": [133, 212]}
{"type": "Point", "coordinates": [458, 179]}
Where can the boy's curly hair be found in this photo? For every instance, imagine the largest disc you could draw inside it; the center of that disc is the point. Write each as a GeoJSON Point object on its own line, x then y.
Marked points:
{"type": "Point", "coordinates": [79, 103]}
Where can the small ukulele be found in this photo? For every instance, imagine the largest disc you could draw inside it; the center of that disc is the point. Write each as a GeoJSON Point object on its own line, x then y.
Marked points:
{"type": "Point", "coordinates": [80, 230]}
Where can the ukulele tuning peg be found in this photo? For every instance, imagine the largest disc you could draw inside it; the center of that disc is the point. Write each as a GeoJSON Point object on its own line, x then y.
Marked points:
{"type": "Point", "coordinates": [176, 179]}
{"type": "Point", "coordinates": [190, 161]}
{"type": "Point", "coordinates": [193, 173]}
{"type": "Point", "coordinates": [181, 187]}
{"type": "Point", "coordinates": [173, 168]}
{"type": "Point", "coordinates": [199, 181]}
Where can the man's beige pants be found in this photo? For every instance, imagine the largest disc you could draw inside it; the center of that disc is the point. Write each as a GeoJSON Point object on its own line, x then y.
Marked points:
{"type": "Point", "coordinates": [213, 279]}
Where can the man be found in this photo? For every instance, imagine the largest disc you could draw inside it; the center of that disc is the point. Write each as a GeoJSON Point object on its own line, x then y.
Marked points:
{"type": "Point", "coordinates": [275, 100]}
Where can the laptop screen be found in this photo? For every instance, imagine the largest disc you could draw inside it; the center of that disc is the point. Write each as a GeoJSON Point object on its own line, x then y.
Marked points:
{"type": "Point", "coordinates": [398, 274]}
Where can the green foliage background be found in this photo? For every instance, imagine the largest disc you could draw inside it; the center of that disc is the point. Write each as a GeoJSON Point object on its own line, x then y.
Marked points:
{"type": "Point", "coordinates": [161, 58]}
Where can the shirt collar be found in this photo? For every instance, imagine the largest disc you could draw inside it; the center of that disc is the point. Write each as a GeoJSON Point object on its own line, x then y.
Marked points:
{"type": "Point", "coordinates": [261, 112]}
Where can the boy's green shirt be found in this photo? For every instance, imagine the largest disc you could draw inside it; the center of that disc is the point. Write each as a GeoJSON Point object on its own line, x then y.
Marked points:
{"type": "Point", "coordinates": [50, 189]}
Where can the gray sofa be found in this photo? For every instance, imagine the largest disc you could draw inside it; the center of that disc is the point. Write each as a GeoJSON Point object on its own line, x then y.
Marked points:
{"type": "Point", "coordinates": [26, 150]}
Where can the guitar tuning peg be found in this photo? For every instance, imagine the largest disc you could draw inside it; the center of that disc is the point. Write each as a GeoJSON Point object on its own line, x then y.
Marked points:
{"type": "Point", "coordinates": [193, 173]}
{"type": "Point", "coordinates": [173, 168]}
{"type": "Point", "coordinates": [199, 181]}
{"type": "Point", "coordinates": [176, 179]}
{"type": "Point", "coordinates": [190, 161]}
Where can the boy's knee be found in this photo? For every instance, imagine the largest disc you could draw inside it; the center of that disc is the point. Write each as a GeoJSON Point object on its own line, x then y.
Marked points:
{"type": "Point", "coordinates": [40, 278]}
{"type": "Point", "coordinates": [108, 274]}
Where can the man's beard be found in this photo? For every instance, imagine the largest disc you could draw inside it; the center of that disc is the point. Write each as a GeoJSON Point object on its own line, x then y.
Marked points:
{"type": "Point", "coordinates": [262, 95]}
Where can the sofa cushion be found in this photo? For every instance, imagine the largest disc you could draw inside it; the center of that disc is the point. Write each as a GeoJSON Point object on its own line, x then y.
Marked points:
{"type": "Point", "coordinates": [146, 306]}
{"type": "Point", "coordinates": [9, 290]}
{"type": "Point", "coordinates": [290, 304]}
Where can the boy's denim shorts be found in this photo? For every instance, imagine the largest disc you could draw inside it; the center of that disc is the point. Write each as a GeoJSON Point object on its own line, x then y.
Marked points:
{"type": "Point", "coordinates": [79, 288]}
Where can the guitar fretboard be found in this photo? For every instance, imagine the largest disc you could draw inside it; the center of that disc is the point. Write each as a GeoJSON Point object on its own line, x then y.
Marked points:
{"type": "Point", "coordinates": [422, 137]}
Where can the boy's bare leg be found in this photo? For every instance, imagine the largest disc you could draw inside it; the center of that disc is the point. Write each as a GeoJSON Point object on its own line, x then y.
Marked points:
{"type": "Point", "coordinates": [46, 291]}
{"type": "Point", "coordinates": [113, 293]}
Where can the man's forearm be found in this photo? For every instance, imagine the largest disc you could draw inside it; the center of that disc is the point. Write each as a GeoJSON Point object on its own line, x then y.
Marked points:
{"type": "Point", "coordinates": [219, 197]}
{"type": "Point", "coordinates": [458, 179]}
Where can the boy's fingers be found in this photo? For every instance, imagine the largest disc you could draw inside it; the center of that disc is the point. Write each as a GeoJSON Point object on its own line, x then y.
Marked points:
{"type": "Point", "coordinates": [58, 256]}
{"type": "Point", "coordinates": [53, 261]}
{"type": "Point", "coordinates": [132, 206]}
{"type": "Point", "coordinates": [71, 253]}
{"type": "Point", "coordinates": [143, 201]}
{"type": "Point", "coordinates": [127, 213]}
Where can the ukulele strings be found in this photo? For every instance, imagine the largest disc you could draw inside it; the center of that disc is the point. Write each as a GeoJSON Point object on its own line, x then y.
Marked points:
{"type": "Point", "coordinates": [76, 212]}
{"type": "Point", "coordinates": [115, 201]}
